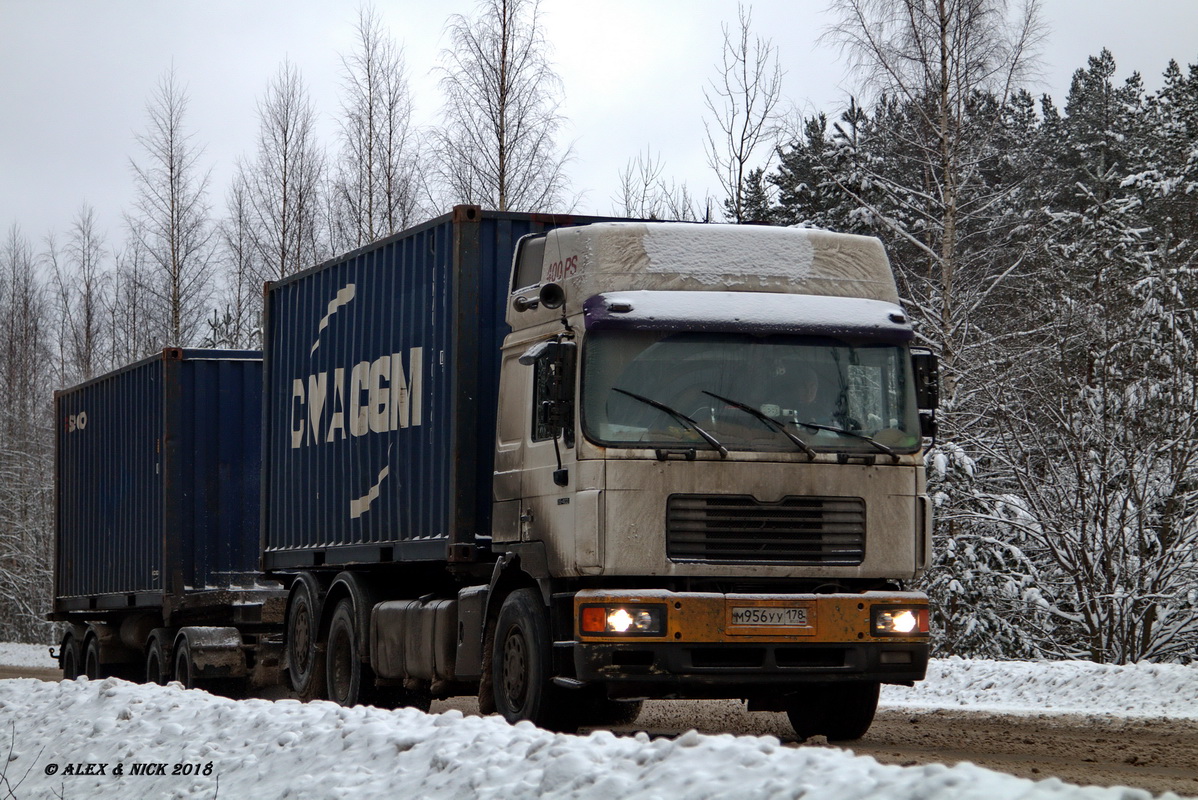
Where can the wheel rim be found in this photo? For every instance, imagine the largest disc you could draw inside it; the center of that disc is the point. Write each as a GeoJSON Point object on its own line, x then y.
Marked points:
{"type": "Point", "coordinates": [515, 669]}
{"type": "Point", "coordinates": [341, 674]}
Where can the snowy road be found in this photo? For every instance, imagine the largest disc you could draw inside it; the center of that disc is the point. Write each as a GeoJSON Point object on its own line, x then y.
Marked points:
{"type": "Point", "coordinates": [1160, 755]}
{"type": "Point", "coordinates": [1081, 723]}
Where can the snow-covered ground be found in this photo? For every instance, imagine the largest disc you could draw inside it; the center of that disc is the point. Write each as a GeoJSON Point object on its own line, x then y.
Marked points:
{"type": "Point", "coordinates": [26, 655]}
{"type": "Point", "coordinates": [1059, 687]}
{"type": "Point", "coordinates": [229, 749]}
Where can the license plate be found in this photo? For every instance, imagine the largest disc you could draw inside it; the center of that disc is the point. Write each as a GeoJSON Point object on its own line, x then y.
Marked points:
{"type": "Point", "coordinates": [770, 616]}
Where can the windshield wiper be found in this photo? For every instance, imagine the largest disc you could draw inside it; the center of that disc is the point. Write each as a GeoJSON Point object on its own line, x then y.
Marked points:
{"type": "Point", "coordinates": [768, 420]}
{"type": "Point", "coordinates": [893, 455]}
{"type": "Point", "coordinates": [678, 415]}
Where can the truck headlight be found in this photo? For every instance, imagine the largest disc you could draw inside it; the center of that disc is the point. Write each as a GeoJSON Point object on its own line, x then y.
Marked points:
{"type": "Point", "coordinates": [899, 620]}
{"type": "Point", "coordinates": [622, 620]}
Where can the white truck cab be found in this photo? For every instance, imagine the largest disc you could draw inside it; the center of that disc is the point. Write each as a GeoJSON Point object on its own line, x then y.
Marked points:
{"type": "Point", "coordinates": [709, 457]}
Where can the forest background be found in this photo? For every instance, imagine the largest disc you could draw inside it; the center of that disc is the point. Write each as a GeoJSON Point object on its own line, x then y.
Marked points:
{"type": "Point", "coordinates": [1047, 253]}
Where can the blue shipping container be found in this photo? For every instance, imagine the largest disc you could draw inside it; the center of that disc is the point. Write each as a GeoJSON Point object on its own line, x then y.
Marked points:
{"type": "Point", "coordinates": [382, 379]}
{"type": "Point", "coordinates": [157, 480]}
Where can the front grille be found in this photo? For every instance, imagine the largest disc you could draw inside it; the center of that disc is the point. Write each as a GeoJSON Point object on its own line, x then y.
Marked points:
{"type": "Point", "coordinates": [796, 530]}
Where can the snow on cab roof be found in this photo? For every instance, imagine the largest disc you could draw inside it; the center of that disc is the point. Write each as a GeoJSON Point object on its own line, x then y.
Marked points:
{"type": "Point", "coordinates": [677, 256]}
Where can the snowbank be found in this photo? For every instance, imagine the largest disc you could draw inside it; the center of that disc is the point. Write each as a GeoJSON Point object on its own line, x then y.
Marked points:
{"type": "Point", "coordinates": [1058, 687]}
{"type": "Point", "coordinates": [256, 748]}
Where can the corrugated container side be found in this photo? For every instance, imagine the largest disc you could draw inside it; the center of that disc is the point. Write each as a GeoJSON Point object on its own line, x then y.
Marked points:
{"type": "Point", "coordinates": [157, 480]}
{"type": "Point", "coordinates": [340, 478]}
{"type": "Point", "coordinates": [108, 487]}
{"type": "Point", "coordinates": [381, 392]}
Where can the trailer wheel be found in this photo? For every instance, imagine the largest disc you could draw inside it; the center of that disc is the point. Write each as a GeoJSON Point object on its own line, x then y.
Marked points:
{"type": "Point", "coordinates": [69, 659]}
{"type": "Point", "coordinates": [840, 711]}
{"type": "Point", "coordinates": [520, 664]}
{"type": "Point", "coordinates": [91, 659]}
{"type": "Point", "coordinates": [185, 671]}
{"type": "Point", "coordinates": [343, 669]}
{"type": "Point", "coordinates": [158, 667]}
{"type": "Point", "coordinates": [305, 667]}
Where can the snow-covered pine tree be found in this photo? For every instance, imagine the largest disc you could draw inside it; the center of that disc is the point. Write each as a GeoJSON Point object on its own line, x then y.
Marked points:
{"type": "Point", "coordinates": [1102, 444]}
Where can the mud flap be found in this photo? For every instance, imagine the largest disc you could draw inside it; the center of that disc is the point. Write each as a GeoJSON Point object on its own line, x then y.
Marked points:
{"type": "Point", "coordinates": [215, 652]}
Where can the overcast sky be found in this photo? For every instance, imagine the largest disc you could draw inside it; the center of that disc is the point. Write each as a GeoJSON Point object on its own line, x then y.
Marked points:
{"type": "Point", "coordinates": [75, 76]}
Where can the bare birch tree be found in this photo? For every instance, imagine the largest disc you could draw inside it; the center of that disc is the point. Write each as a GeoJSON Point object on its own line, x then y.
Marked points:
{"type": "Point", "coordinates": [931, 59]}
{"type": "Point", "coordinates": [80, 284]}
{"type": "Point", "coordinates": [741, 106]}
{"type": "Point", "coordinates": [25, 447]}
{"type": "Point", "coordinates": [497, 143]}
{"type": "Point", "coordinates": [283, 183]}
{"type": "Point", "coordinates": [170, 220]}
{"type": "Point", "coordinates": [376, 185]}
{"type": "Point", "coordinates": [130, 328]}
{"type": "Point", "coordinates": [645, 193]}
{"type": "Point", "coordinates": [236, 322]}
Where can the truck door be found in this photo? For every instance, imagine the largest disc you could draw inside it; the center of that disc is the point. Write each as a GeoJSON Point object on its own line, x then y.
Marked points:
{"type": "Point", "coordinates": [547, 509]}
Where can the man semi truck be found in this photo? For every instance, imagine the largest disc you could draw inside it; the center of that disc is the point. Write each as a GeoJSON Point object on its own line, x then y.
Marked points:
{"type": "Point", "coordinates": [649, 460]}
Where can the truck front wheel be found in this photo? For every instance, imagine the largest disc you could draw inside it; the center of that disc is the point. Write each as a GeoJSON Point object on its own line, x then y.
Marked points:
{"type": "Point", "coordinates": [520, 661]}
{"type": "Point", "coordinates": [840, 711]}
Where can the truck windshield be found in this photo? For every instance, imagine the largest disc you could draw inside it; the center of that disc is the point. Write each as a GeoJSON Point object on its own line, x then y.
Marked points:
{"type": "Point", "coordinates": [831, 395]}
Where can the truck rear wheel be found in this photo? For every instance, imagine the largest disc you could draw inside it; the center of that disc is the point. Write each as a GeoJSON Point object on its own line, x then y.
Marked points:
{"type": "Point", "coordinates": [520, 664]}
{"type": "Point", "coordinates": [158, 668]}
{"type": "Point", "coordinates": [305, 667]}
{"type": "Point", "coordinates": [343, 668]}
{"type": "Point", "coordinates": [839, 711]}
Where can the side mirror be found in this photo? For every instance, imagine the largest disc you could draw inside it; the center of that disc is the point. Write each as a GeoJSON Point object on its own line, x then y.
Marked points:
{"type": "Point", "coordinates": [926, 367]}
{"type": "Point", "coordinates": [553, 388]}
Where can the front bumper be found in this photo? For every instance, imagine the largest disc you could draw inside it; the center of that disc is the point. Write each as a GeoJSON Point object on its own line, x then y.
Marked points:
{"type": "Point", "coordinates": [705, 651]}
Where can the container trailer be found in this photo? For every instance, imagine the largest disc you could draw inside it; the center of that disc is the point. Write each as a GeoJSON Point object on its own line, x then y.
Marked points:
{"type": "Point", "coordinates": [567, 464]}
{"type": "Point", "coordinates": [157, 510]}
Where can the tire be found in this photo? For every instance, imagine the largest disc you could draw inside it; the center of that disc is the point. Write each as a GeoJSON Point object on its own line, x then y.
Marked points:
{"type": "Point", "coordinates": [305, 667]}
{"type": "Point", "coordinates": [92, 666]}
{"type": "Point", "coordinates": [185, 672]}
{"type": "Point", "coordinates": [158, 666]}
{"type": "Point", "coordinates": [70, 658]}
{"type": "Point", "coordinates": [344, 671]}
{"type": "Point", "coordinates": [839, 711]}
{"type": "Point", "coordinates": [520, 665]}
